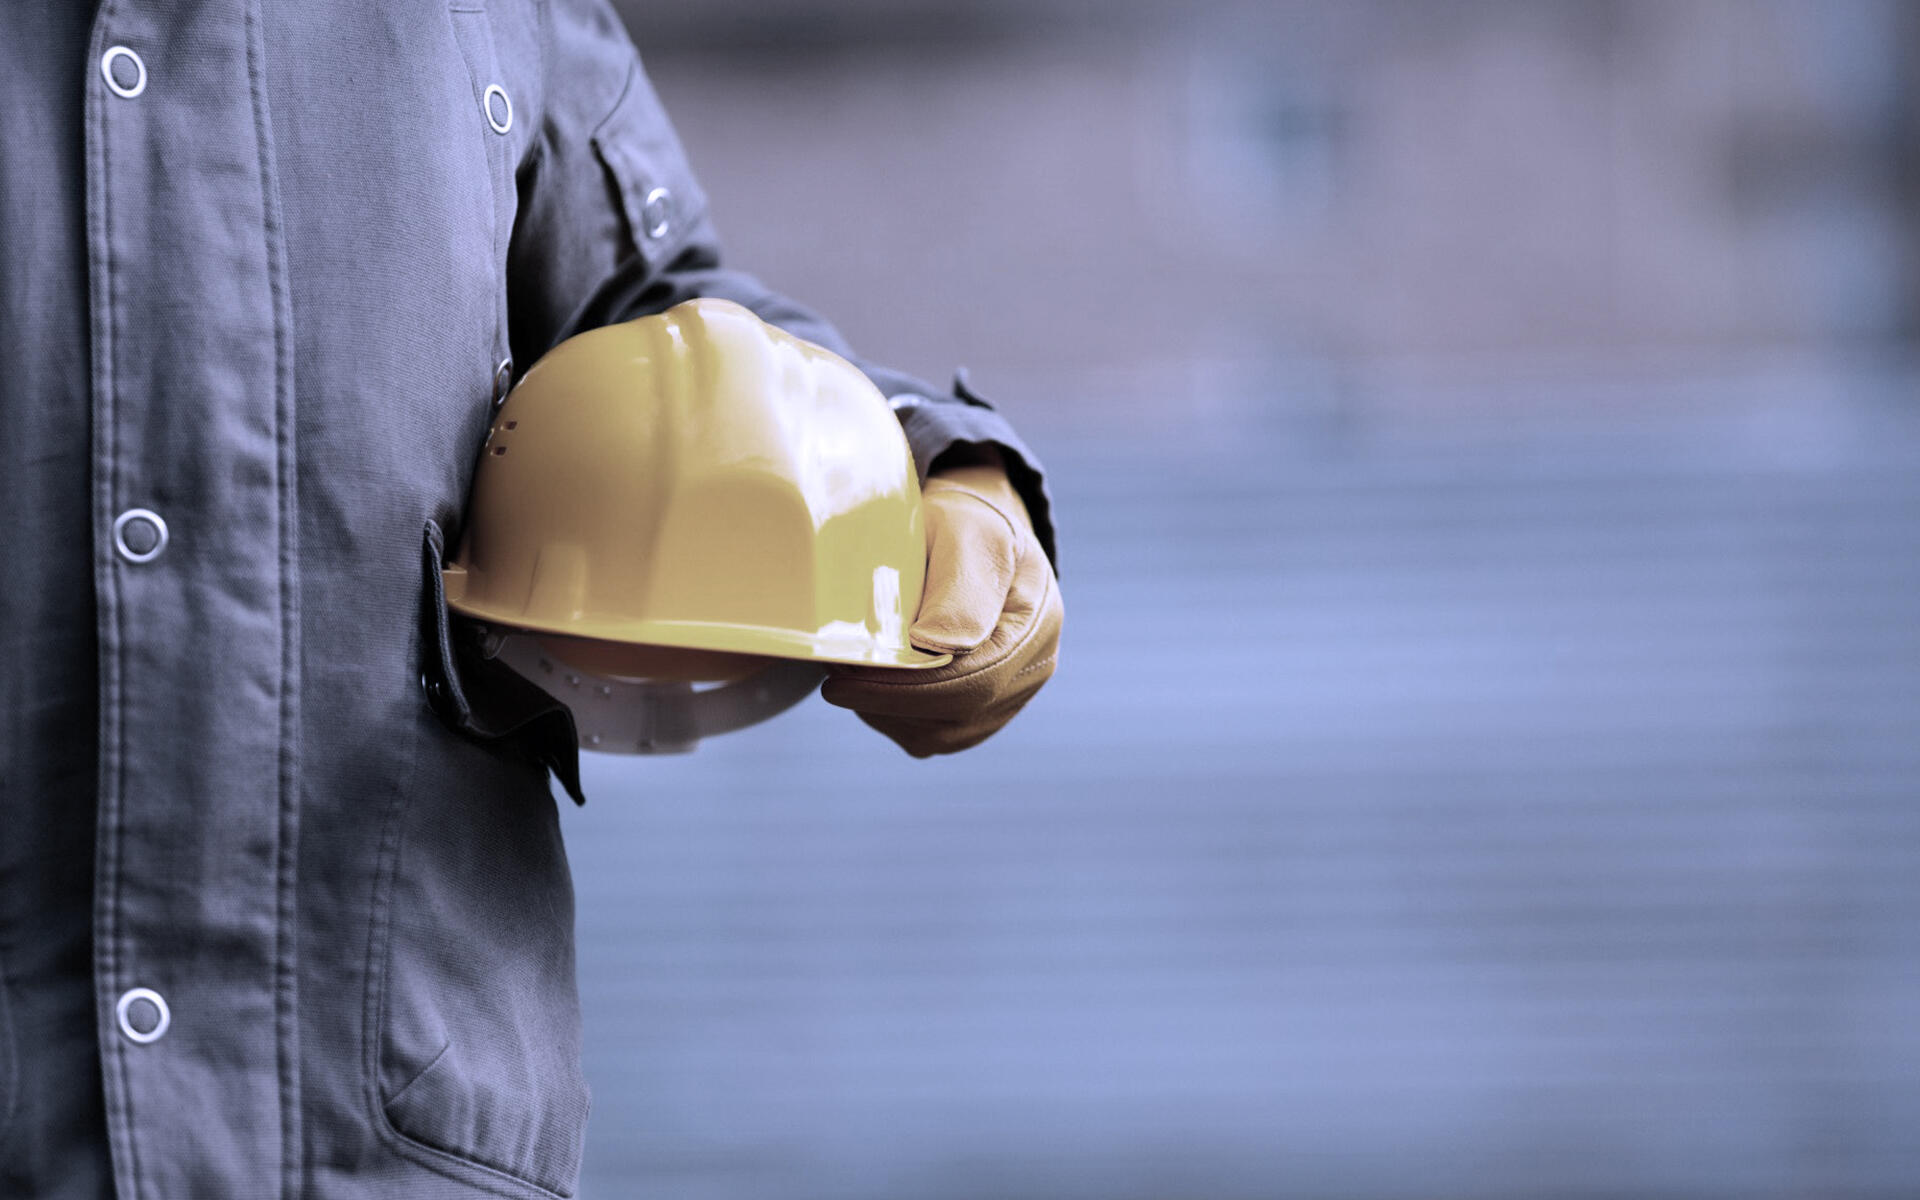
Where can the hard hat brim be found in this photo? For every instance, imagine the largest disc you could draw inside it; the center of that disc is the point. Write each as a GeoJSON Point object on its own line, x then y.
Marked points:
{"type": "Point", "coordinates": [722, 637]}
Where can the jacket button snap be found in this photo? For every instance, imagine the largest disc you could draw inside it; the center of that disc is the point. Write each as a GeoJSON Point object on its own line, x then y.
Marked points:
{"type": "Point", "coordinates": [125, 74]}
{"type": "Point", "coordinates": [499, 108]}
{"type": "Point", "coordinates": [139, 535]}
{"type": "Point", "coordinates": [502, 381]}
{"type": "Point", "coordinates": [143, 1015]}
{"type": "Point", "coordinates": [656, 213]}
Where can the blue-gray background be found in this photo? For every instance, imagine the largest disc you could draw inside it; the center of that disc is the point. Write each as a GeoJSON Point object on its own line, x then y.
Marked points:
{"type": "Point", "coordinates": [1486, 753]}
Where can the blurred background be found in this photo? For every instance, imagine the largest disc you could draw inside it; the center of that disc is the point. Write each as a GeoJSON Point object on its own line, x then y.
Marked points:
{"type": "Point", "coordinates": [1485, 760]}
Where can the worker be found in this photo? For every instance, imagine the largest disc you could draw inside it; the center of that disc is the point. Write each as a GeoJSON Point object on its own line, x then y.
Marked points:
{"type": "Point", "coordinates": [271, 925]}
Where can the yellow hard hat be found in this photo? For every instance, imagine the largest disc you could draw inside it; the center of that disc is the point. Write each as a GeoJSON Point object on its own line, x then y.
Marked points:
{"type": "Point", "coordinates": [685, 496]}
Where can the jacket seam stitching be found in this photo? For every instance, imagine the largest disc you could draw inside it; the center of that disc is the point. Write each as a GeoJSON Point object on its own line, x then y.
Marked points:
{"type": "Point", "coordinates": [286, 972]}
{"type": "Point", "coordinates": [421, 1073]}
{"type": "Point", "coordinates": [9, 1047]}
{"type": "Point", "coordinates": [110, 954]}
{"type": "Point", "coordinates": [420, 1151]}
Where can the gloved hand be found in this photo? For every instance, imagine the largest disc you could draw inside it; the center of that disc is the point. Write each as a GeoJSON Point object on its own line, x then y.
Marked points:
{"type": "Point", "coordinates": [991, 600]}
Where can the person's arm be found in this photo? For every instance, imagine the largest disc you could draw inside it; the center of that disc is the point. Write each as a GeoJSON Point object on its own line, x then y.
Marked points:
{"type": "Point", "coordinates": [612, 224]}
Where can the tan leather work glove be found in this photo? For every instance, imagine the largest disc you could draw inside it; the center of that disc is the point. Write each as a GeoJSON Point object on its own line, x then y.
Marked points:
{"type": "Point", "coordinates": [990, 600]}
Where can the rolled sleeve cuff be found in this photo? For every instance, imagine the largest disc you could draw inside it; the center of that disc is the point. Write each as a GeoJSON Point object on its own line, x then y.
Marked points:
{"type": "Point", "coordinates": [934, 426]}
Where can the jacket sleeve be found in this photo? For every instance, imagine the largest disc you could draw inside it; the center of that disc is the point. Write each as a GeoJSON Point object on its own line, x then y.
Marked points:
{"type": "Point", "coordinates": [612, 225]}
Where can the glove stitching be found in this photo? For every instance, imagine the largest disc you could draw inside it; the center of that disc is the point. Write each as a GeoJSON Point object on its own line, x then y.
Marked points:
{"type": "Point", "coordinates": [961, 489]}
{"type": "Point", "coordinates": [1031, 667]}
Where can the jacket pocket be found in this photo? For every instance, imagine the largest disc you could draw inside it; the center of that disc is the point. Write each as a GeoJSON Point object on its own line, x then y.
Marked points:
{"type": "Point", "coordinates": [478, 1013]}
{"type": "Point", "coordinates": [473, 1052]}
{"type": "Point", "coordinates": [659, 198]}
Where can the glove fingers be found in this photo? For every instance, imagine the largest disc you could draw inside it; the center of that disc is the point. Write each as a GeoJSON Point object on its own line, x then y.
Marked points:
{"type": "Point", "coordinates": [970, 567]}
{"type": "Point", "coordinates": [924, 738]}
{"type": "Point", "coordinates": [1009, 667]}
{"type": "Point", "coordinates": [990, 599]}
{"type": "Point", "coordinates": [921, 734]}
{"type": "Point", "coordinates": [1015, 622]}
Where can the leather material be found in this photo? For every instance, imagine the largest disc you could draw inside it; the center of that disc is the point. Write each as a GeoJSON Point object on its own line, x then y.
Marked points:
{"type": "Point", "coordinates": [991, 600]}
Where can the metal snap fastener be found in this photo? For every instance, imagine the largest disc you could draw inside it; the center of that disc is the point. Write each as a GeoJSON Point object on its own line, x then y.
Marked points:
{"type": "Point", "coordinates": [502, 381]}
{"type": "Point", "coordinates": [499, 116]}
{"type": "Point", "coordinates": [112, 57]}
{"type": "Point", "coordinates": [139, 535]}
{"type": "Point", "coordinates": [143, 1015]}
{"type": "Point", "coordinates": [657, 213]}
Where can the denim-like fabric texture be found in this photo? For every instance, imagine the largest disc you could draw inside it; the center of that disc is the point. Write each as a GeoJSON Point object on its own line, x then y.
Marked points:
{"type": "Point", "coordinates": [267, 298]}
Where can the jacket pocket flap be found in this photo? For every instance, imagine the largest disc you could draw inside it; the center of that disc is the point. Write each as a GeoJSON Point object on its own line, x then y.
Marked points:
{"type": "Point", "coordinates": [659, 196]}
{"type": "Point", "coordinates": [452, 1107]}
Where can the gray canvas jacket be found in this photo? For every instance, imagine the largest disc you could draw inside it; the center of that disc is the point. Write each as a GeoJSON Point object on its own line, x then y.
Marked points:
{"type": "Point", "coordinates": [269, 925]}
